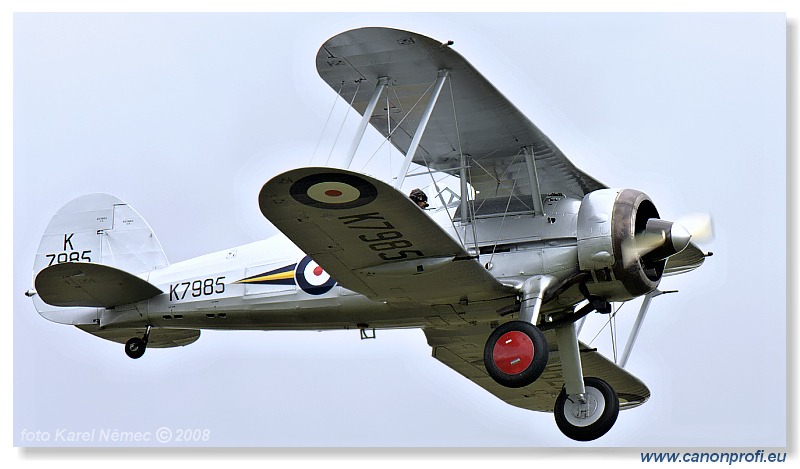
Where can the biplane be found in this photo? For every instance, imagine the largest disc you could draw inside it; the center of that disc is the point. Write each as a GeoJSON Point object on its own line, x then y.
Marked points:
{"type": "Point", "coordinates": [498, 273]}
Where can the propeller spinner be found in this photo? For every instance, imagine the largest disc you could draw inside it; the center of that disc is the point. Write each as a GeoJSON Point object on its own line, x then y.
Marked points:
{"type": "Point", "coordinates": [661, 238]}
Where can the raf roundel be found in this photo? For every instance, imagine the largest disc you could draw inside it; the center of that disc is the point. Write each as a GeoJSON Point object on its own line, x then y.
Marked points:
{"type": "Point", "coordinates": [333, 191]}
{"type": "Point", "coordinates": [311, 278]}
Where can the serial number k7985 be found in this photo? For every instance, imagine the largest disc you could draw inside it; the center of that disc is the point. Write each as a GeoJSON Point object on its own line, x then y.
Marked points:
{"type": "Point", "coordinates": [381, 236]}
{"type": "Point", "coordinates": [196, 288]}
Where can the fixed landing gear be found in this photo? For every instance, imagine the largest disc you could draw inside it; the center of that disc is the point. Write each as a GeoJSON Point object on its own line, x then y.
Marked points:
{"type": "Point", "coordinates": [515, 354]}
{"type": "Point", "coordinates": [588, 416]}
{"type": "Point", "coordinates": [136, 347]}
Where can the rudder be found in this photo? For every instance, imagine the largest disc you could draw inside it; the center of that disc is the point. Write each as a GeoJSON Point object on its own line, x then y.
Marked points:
{"type": "Point", "coordinates": [101, 229]}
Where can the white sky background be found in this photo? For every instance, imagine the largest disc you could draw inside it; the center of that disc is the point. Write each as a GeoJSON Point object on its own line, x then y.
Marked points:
{"type": "Point", "coordinates": [186, 116]}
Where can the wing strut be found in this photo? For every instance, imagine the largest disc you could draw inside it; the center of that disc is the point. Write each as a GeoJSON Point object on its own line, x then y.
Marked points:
{"type": "Point", "coordinates": [638, 324]}
{"type": "Point", "coordinates": [382, 82]}
{"type": "Point", "coordinates": [464, 191]}
{"type": "Point", "coordinates": [423, 123]}
{"type": "Point", "coordinates": [536, 193]}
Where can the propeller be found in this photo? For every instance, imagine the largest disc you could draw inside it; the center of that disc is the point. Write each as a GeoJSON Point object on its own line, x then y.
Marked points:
{"type": "Point", "coordinates": [699, 225]}
{"type": "Point", "coordinates": [661, 238]}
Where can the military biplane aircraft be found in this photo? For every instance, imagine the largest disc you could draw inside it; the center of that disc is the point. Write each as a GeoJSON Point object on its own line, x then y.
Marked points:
{"type": "Point", "coordinates": [497, 276]}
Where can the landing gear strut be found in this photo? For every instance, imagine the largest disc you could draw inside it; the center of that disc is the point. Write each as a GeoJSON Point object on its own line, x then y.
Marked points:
{"type": "Point", "coordinates": [587, 416]}
{"type": "Point", "coordinates": [136, 347]}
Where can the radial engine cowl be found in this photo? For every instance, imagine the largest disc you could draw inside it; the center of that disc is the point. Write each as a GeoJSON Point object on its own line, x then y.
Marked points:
{"type": "Point", "coordinates": [608, 220]}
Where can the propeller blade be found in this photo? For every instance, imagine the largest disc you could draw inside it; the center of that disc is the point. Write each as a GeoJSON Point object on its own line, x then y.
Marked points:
{"type": "Point", "coordinates": [644, 242]}
{"type": "Point", "coordinates": [699, 225]}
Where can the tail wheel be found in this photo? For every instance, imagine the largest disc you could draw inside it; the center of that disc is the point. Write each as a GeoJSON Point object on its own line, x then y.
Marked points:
{"type": "Point", "coordinates": [515, 354]}
{"type": "Point", "coordinates": [135, 347]}
{"type": "Point", "coordinates": [592, 419]}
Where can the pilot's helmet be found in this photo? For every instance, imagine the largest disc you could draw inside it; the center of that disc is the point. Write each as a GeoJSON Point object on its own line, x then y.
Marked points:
{"type": "Point", "coordinates": [418, 197]}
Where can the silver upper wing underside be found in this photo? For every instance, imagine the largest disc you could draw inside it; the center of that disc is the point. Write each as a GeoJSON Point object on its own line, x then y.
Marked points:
{"type": "Point", "coordinates": [486, 128]}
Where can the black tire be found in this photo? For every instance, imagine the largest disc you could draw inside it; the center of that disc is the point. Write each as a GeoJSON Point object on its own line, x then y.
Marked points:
{"type": "Point", "coordinates": [510, 370]}
{"type": "Point", "coordinates": [598, 422]}
{"type": "Point", "coordinates": [135, 347]}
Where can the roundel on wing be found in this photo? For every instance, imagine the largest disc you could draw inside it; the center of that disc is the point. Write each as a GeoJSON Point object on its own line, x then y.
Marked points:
{"type": "Point", "coordinates": [312, 278]}
{"type": "Point", "coordinates": [333, 191]}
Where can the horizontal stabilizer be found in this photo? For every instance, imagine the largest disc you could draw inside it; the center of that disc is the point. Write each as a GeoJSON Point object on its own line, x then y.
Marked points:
{"type": "Point", "coordinates": [92, 285]}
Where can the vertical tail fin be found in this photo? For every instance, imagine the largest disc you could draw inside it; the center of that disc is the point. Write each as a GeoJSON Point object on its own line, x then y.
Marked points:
{"type": "Point", "coordinates": [101, 229]}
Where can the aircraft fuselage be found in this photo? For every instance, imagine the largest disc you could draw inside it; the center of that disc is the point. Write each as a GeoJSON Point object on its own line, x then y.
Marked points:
{"type": "Point", "coordinates": [271, 284]}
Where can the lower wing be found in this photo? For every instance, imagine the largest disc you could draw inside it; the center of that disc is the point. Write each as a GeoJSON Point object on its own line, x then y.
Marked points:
{"type": "Point", "coordinates": [461, 348]}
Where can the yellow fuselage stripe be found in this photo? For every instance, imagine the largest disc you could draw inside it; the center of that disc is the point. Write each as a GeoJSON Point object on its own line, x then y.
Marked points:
{"type": "Point", "coordinates": [265, 278]}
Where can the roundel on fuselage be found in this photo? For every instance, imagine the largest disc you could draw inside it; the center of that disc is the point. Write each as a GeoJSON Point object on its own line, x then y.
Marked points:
{"type": "Point", "coordinates": [312, 278]}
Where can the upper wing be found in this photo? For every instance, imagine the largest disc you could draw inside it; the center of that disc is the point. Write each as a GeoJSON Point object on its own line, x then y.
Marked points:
{"type": "Point", "coordinates": [461, 348]}
{"type": "Point", "coordinates": [486, 128]}
{"type": "Point", "coordinates": [371, 238]}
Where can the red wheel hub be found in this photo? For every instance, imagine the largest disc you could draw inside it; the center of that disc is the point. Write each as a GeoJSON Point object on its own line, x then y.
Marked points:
{"type": "Point", "coordinates": [513, 352]}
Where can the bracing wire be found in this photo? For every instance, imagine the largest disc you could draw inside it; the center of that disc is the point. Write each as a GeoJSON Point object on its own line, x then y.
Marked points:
{"type": "Point", "coordinates": [327, 160]}
{"type": "Point", "coordinates": [502, 222]}
{"type": "Point", "coordinates": [463, 161]}
{"type": "Point", "coordinates": [400, 103]}
{"type": "Point", "coordinates": [496, 178]}
{"type": "Point", "coordinates": [435, 185]}
{"type": "Point", "coordinates": [610, 316]}
{"type": "Point", "coordinates": [447, 209]}
{"type": "Point", "coordinates": [613, 329]}
{"type": "Point", "coordinates": [389, 136]}
{"type": "Point", "coordinates": [327, 121]}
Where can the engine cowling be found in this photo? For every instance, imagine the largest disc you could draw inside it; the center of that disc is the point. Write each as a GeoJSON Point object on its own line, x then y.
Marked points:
{"type": "Point", "coordinates": [609, 221]}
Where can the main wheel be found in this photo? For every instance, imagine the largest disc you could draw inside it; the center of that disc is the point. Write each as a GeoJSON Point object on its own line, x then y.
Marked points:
{"type": "Point", "coordinates": [586, 422]}
{"type": "Point", "coordinates": [135, 347]}
{"type": "Point", "coordinates": [515, 354]}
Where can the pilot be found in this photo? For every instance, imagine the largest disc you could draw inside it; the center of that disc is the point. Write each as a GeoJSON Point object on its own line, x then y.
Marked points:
{"type": "Point", "coordinates": [419, 198]}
